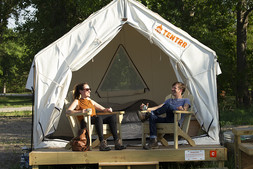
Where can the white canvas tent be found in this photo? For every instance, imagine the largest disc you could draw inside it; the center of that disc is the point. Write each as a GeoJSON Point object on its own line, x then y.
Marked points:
{"type": "Point", "coordinates": [160, 53]}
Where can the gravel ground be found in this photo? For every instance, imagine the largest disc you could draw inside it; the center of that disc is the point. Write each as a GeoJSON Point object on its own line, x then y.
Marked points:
{"type": "Point", "coordinates": [12, 109]}
{"type": "Point", "coordinates": [15, 133]}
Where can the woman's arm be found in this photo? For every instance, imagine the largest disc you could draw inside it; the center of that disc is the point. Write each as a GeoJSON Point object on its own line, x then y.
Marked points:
{"type": "Point", "coordinates": [100, 107]}
{"type": "Point", "coordinates": [73, 106]}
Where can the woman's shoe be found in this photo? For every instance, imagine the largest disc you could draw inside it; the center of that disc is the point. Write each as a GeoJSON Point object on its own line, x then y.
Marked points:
{"type": "Point", "coordinates": [104, 146]}
{"type": "Point", "coordinates": [118, 145]}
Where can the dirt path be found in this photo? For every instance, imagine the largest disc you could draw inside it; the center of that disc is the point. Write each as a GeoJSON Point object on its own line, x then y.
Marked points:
{"type": "Point", "coordinates": [15, 133]}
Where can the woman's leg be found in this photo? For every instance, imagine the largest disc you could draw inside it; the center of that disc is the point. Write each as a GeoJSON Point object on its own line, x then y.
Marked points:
{"type": "Point", "coordinates": [111, 120]}
{"type": "Point", "coordinates": [98, 121]}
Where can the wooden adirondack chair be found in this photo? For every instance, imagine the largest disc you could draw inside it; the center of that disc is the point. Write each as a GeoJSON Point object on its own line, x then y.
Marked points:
{"type": "Point", "coordinates": [75, 125]}
{"type": "Point", "coordinates": [172, 128]}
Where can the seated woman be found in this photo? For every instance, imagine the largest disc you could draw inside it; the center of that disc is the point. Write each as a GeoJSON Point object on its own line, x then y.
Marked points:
{"type": "Point", "coordinates": [82, 101]}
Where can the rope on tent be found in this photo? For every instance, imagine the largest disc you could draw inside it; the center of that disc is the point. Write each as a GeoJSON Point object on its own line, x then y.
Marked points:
{"type": "Point", "coordinates": [97, 40]}
{"type": "Point", "coordinates": [42, 131]}
{"type": "Point", "coordinates": [210, 125]}
{"type": "Point", "coordinates": [151, 34]}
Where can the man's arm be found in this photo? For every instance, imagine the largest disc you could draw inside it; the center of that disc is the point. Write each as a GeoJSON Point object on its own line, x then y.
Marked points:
{"type": "Point", "coordinates": [151, 108]}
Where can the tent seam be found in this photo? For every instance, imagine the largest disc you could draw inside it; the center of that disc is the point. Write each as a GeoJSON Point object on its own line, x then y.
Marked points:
{"type": "Point", "coordinates": [50, 80]}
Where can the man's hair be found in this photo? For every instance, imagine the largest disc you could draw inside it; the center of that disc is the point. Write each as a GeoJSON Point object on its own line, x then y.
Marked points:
{"type": "Point", "coordinates": [180, 86]}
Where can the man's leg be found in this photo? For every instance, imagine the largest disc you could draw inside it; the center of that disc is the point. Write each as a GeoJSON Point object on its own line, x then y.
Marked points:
{"type": "Point", "coordinates": [153, 119]}
{"type": "Point", "coordinates": [166, 108]}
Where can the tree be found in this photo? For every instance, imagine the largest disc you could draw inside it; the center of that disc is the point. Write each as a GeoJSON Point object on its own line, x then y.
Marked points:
{"type": "Point", "coordinates": [244, 8]}
{"type": "Point", "coordinates": [9, 50]}
{"type": "Point", "coordinates": [11, 62]}
{"type": "Point", "coordinates": [53, 18]}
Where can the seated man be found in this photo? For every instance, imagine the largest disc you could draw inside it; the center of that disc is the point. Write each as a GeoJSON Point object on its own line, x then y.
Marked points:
{"type": "Point", "coordinates": [176, 103]}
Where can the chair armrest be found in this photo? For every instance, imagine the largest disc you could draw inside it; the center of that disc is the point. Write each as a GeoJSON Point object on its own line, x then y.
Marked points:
{"type": "Point", "coordinates": [99, 113]}
{"type": "Point", "coordinates": [119, 115]}
{"type": "Point", "coordinates": [110, 113]}
{"type": "Point", "coordinates": [182, 112]}
{"type": "Point", "coordinates": [77, 114]}
{"type": "Point", "coordinates": [175, 112]}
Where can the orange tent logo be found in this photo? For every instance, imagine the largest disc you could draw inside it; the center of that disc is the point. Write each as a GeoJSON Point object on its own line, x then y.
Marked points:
{"type": "Point", "coordinates": [171, 36]}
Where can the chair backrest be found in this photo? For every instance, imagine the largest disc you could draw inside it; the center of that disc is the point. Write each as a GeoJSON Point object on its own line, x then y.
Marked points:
{"type": "Point", "coordinates": [185, 120]}
{"type": "Point", "coordinates": [185, 95]}
{"type": "Point", "coordinates": [73, 121]}
{"type": "Point", "coordinates": [69, 99]}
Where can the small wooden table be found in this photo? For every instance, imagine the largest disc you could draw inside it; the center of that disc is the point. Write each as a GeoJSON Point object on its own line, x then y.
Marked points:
{"type": "Point", "coordinates": [243, 150]}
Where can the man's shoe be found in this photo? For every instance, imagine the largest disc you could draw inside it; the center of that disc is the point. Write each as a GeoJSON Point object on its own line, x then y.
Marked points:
{"type": "Point", "coordinates": [118, 145]}
{"type": "Point", "coordinates": [153, 144]}
{"type": "Point", "coordinates": [143, 116]}
{"type": "Point", "coordinates": [104, 146]}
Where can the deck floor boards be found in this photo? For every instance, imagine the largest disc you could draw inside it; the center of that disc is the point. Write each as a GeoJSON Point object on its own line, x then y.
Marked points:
{"type": "Point", "coordinates": [132, 154]}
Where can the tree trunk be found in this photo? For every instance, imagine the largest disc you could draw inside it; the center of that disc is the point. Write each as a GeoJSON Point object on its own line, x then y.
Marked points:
{"type": "Point", "coordinates": [4, 88]}
{"type": "Point", "coordinates": [242, 96]}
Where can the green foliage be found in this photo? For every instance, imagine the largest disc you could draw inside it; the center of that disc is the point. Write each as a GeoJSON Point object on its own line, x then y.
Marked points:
{"type": "Point", "coordinates": [15, 101]}
{"type": "Point", "coordinates": [236, 116]}
{"type": "Point", "coordinates": [13, 62]}
{"type": "Point", "coordinates": [53, 18]}
{"type": "Point", "coordinates": [232, 116]}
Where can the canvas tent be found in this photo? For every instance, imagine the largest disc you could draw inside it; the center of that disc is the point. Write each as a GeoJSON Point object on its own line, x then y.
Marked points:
{"type": "Point", "coordinates": [158, 54]}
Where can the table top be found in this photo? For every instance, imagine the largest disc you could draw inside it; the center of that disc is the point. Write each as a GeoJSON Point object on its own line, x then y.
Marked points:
{"type": "Point", "coordinates": [243, 130]}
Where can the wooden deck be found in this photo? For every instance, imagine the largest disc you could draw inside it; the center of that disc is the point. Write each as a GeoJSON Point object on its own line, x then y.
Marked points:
{"type": "Point", "coordinates": [134, 155]}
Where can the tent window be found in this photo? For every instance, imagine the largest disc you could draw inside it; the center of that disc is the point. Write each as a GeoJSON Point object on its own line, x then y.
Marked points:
{"type": "Point", "coordinates": [122, 77]}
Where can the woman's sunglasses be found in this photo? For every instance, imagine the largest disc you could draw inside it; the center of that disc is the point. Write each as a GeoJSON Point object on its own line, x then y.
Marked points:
{"type": "Point", "coordinates": [88, 89]}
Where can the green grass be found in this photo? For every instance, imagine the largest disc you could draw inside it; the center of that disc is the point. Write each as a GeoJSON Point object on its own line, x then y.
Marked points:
{"type": "Point", "coordinates": [232, 116]}
{"type": "Point", "coordinates": [17, 113]}
{"type": "Point", "coordinates": [15, 101]}
{"type": "Point", "coordinates": [236, 117]}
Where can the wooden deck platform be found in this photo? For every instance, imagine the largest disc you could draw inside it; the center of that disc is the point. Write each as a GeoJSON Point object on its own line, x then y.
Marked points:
{"type": "Point", "coordinates": [131, 156]}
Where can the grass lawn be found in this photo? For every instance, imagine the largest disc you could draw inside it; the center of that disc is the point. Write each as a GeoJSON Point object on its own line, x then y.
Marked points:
{"type": "Point", "coordinates": [17, 113]}
{"type": "Point", "coordinates": [15, 101]}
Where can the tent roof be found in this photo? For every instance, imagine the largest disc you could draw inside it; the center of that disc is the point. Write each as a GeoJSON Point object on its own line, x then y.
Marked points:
{"type": "Point", "coordinates": [52, 68]}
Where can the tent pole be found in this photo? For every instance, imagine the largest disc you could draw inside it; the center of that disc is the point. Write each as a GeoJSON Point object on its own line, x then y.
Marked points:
{"type": "Point", "coordinates": [33, 96]}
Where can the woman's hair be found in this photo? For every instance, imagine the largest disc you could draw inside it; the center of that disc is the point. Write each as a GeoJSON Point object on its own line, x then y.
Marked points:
{"type": "Point", "coordinates": [180, 86]}
{"type": "Point", "coordinates": [77, 88]}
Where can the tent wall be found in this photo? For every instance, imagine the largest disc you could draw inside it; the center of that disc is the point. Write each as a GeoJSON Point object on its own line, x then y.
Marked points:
{"type": "Point", "coordinates": [153, 65]}
{"type": "Point", "coordinates": [84, 53]}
